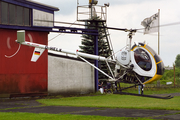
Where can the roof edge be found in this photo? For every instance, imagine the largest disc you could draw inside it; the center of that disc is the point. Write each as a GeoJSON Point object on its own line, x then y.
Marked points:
{"type": "Point", "coordinates": [32, 1]}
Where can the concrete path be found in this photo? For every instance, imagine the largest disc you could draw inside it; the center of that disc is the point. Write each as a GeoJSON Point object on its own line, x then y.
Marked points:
{"type": "Point", "coordinates": [32, 106]}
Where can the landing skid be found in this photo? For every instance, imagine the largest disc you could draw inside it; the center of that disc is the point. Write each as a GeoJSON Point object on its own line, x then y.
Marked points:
{"type": "Point", "coordinates": [142, 95]}
{"type": "Point", "coordinates": [119, 91]}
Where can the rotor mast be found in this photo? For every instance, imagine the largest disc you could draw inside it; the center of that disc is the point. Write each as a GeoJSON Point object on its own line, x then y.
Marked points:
{"type": "Point", "coordinates": [131, 33]}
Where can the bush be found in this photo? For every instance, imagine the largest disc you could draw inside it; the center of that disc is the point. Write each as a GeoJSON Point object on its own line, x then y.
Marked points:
{"type": "Point", "coordinates": [168, 76]}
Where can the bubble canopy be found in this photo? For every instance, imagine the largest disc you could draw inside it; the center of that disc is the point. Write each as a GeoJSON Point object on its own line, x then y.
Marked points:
{"type": "Point", "coordinates": [143, 59]}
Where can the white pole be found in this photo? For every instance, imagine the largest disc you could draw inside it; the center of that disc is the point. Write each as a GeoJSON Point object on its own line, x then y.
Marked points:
{"type": "Point", "coordinates": [158, 82]}
{"type": "Point", "coordinates": [158, 31]}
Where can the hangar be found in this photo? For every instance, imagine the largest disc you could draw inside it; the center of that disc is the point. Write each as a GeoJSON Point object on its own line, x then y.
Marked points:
{"type": "Point", "coordinates": [21, 77]}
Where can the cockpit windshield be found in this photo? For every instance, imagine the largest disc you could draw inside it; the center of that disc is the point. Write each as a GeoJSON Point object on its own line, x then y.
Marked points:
{"type": "Point", "coordinates": [143, 59]}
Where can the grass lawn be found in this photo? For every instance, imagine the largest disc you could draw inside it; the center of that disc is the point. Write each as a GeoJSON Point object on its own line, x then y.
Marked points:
{"type": "Point", "coordinates": [99, 100]}
{"type": "Point", "coordinates": [43, 116]}
{"type": "Point", "coordinates": [115, 101]}
{"type": "Point", "coordinates": [152, 91]}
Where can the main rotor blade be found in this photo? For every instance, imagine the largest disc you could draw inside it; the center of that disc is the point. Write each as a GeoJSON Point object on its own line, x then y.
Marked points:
{"type": "Point", "coordinates": [170, 24]}
{"type": "Point", "coordinates": [113, 28]}
{"type": "Point", "coordinates": [122, 29]}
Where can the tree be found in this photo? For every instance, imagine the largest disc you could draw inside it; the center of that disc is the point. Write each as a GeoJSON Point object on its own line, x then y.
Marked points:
{"type": "Point", "coordinates": [177, 61]}
{"type": "Point", "coordinates": [103, 48]}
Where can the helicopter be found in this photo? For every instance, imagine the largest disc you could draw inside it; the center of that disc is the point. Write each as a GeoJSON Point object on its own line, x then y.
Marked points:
{"type": "Point", "coordinates": [136, 64]}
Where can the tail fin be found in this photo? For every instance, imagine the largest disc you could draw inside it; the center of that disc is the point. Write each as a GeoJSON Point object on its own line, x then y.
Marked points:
{"type": "Point", "coordinates": [20, 36]}
{"type": "Point", "coordinates": [36, 54]}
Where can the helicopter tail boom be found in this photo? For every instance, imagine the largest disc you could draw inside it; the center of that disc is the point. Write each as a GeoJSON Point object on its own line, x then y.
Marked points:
{"type": "Point", "coordinates": [39, 49]}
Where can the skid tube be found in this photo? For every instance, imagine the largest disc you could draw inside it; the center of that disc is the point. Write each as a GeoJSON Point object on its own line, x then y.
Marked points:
{"type": "Point", "coordinates": [142, 95]}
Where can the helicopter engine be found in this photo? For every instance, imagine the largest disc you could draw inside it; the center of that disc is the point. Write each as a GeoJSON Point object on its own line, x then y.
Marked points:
{"type": "Point", "coordinates": [123, 57]}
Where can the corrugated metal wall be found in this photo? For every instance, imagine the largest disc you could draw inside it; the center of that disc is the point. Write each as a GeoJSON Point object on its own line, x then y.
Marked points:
{"type": "Point", "coordinates": [18, 75]}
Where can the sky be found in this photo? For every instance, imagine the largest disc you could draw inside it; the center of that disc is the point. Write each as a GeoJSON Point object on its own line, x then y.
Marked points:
{"type": "Point", "coordinates": [124, 14]}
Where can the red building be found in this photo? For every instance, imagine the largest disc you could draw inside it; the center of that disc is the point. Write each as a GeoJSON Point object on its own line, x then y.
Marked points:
{"type": "Point", "coordinates": [18, 75]}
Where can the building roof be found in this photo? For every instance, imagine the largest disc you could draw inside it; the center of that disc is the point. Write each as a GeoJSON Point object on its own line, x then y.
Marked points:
{"type": "Point", "coordinates": [31, 6]}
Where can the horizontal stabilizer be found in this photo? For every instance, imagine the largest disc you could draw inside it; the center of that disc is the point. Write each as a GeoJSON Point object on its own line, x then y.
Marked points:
{"type": "Point", "coordinates": [36, 54]}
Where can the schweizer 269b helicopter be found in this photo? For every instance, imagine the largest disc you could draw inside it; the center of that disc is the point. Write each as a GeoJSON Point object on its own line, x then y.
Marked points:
{"type": "Point", "coordinates": [136, 64]}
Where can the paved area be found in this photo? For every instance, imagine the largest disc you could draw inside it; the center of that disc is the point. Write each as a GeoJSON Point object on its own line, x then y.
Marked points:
{"type": "Point", "coordinates": [32, 106]}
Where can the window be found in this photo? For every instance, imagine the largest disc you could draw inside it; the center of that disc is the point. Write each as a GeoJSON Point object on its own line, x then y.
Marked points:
{"type": "Point", "coordinates": [11, 14]}
{"type": "Point", "coordinates": [143, 59]}
{"type": "Point", "coordinates": [19, 15]}
{"type": "Point", "coordinates": [4, 13]}
{"type": "Point", "coordinates": [26, 16]}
